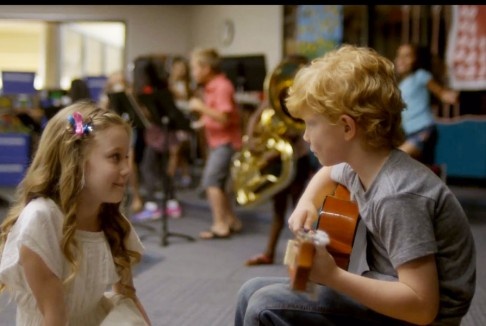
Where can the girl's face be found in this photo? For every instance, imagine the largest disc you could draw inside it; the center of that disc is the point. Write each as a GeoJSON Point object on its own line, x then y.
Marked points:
{"type": "Point", "coordinates": [404, 60]}
{"type": "Point", "coordinates": [326, 139]}
{"type": "Point", "coordinates": [179, 70]}
{"type": "Point", "coordinates": [117, 82]}
{"type": "Point", "coordinates": [107, 166]}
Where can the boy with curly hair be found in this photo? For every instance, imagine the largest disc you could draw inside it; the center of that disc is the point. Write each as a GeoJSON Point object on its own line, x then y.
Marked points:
{"type": "Point", "coordinates": [420, 249]}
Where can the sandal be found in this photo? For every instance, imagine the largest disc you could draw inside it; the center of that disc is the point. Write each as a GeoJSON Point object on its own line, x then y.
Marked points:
{"type": "Point", "coordinates": [236, 226]}
{"type": "Point", "coordinates": [210, 234]}
{"type": "Point", "coordinates": [260, 259]}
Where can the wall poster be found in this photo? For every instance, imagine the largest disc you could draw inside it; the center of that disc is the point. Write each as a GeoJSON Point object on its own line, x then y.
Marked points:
{"type": "Point", "coordinates": [314, 29]}
{"type": "Point", "coordinates": [466, 51]}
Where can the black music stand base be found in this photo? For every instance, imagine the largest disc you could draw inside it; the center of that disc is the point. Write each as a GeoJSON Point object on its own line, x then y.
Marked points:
{"type": "Point", "coordinates": [164, 123]}
{"type": "Point", "coordinates": [165, 233]}
{"type": "Point", "coordinates": [164, 229]}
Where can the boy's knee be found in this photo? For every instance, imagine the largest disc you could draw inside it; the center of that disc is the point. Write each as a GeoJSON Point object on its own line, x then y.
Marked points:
{"type": "Point", "coordinates": [249, 287]}
{"type": "Point", "coordinates": [247, 293]}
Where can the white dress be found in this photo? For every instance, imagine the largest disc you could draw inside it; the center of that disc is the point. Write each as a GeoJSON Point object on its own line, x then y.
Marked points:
{"type": "Point", "coordinates": [39, 228]}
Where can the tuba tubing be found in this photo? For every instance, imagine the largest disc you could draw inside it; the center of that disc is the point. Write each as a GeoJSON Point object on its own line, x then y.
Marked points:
{"type": "Point", "coordinates": [267, 165]}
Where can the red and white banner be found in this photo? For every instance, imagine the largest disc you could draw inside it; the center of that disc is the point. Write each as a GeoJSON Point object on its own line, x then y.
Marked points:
{"type": "Point", "coordinates": [466, 48]}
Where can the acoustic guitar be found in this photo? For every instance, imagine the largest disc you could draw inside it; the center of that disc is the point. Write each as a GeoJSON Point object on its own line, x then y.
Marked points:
{"type": "Point", "coordinates": [338, 217]}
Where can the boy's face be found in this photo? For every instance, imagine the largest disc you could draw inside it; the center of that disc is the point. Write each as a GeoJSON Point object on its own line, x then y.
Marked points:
{"type": "Point", "coordinates": [325, 138]}
{"type": "Point", "coordinates": [199, 72]}
{"type": "Point", "coordinates": [107, 166]}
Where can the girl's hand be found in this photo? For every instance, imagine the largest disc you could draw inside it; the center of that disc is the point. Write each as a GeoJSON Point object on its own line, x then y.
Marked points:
{"type": "Point", "coordinates": [449, 96]}
{"type": "Point", "coordinates": [125, 287]}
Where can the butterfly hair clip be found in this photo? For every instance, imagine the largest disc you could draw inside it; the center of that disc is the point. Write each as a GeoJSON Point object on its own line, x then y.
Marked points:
{"type": "Point", "coordinates": [79, 128]}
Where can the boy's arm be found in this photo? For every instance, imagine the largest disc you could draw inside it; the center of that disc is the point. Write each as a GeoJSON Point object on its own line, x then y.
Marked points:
{"type": "Point", "coordinates": [305, 213]}
{"type": "Point", "coordinates": [46, 287]}
{"type": "Point", "coordinates": [413, 298]}
{"type": "Point", "coordinates": [197, 105]}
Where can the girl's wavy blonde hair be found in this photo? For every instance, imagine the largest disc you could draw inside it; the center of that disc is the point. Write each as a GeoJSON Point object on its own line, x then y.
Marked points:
{"type": "Point", "coordinates": [57, 172]}
{"type": "Point", "coordinates": [356, 81]}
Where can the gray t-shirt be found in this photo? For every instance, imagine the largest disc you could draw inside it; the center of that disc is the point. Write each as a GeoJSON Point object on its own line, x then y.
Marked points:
{"type": "Point", "coordinates": [409, 213]}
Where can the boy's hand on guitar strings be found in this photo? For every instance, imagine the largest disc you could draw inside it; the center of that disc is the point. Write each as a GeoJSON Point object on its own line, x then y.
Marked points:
{"type": "Point", "coordinates": [303, 217]}
{"type": "Point", "coordinates": [321, 239]}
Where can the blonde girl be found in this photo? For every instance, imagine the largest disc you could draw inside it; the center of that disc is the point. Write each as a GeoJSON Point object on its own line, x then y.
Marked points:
{"type": "Point", "coordinates": [64, 240]}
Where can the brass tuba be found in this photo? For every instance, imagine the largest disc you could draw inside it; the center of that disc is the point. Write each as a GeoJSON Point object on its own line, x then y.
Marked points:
{"type": "Point", "coordinates": [268, 166]}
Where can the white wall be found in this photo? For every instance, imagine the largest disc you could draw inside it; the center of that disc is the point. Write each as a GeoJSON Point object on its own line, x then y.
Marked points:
{"type": "Point", "coordinates": [258, 29]}
{"type": "Point", "coordinates": [175, 29]}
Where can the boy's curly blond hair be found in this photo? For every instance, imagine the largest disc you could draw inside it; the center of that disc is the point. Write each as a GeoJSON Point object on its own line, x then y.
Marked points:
{"type": "Point", "coordinates": [356, 81]}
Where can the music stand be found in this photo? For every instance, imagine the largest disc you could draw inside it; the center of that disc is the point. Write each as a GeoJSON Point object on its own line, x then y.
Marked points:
{"type": "Point", "coordinates": [161, 105]}
{"type": "Point", "coordinates": [123, 103]}
{"type": "Point", "coordinates": [166, 115]}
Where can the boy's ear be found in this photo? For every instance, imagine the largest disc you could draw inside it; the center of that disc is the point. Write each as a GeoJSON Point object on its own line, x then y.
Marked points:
{"type": "Point", "coordinates": [349, 126]}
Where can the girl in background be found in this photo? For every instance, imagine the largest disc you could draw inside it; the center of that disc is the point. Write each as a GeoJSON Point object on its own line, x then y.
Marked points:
{"type": "Point", "coordinates": [64, 240]}
{"type": "Point", "coordinates": [416, 83]}
{"type": "Point", "coordinates": [180, 86]}
{"type": "Point", "coordinates": [118, 83]}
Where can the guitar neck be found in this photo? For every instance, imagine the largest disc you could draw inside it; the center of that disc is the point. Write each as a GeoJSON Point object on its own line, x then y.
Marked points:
{"type": "Point", "coordinates": [338, 218]}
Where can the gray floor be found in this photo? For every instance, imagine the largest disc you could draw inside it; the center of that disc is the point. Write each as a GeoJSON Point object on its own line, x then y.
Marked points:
{"type": "Point", "coordinates": [195, 283]}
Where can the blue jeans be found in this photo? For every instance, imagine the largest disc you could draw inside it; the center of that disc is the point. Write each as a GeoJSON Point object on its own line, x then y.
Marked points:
{"type": "Point", "coordinates": [270, 301]}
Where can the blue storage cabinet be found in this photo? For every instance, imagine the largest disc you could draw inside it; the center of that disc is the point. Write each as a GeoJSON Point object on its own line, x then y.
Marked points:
{"type": "Point", "coordinates": [14, 157]}
{"type": "Point", "coordinates": [461, 147]}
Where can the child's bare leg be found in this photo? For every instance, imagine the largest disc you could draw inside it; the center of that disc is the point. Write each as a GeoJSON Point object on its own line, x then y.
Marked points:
{"type": "Point", "coordinates": [217, 201]}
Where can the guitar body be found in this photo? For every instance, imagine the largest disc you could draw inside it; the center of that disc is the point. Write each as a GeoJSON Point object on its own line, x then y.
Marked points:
{"type": "Point", "coordinates": [339, 218]}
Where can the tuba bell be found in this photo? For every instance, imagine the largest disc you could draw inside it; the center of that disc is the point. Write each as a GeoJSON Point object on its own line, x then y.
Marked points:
{"type": "Point", "coordinates": [267, 166]}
